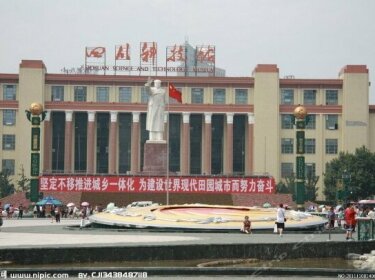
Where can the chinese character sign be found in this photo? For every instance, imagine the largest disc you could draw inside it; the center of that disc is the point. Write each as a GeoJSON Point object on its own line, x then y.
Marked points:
{"type": "Point", "coordinates": [122, 52]}
{"type": "Point", "coordinates": [205, 53]}
{"type": "Point", "coordinates": [148, 52]}
{"type": "Point", "coordinates": [95, 56]}
{"type": "Point", "coordinates": [176, 53]}
{"type": "Point", "coordinates": [139, 184]}
{"type": "Point", "coordinates": [95, 52]}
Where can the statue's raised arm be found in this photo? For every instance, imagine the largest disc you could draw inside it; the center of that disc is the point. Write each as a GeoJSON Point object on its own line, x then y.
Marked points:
{"type": "Point", "coordinates": [155, 110]}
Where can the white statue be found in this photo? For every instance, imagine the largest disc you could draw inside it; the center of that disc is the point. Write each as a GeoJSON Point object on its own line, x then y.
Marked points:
{"type": "Point", "coordinates": [155, 111]}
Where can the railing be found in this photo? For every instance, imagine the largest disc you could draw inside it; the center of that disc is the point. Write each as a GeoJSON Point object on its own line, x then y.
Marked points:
{"type": "Point", "coordinates": [365, 228]}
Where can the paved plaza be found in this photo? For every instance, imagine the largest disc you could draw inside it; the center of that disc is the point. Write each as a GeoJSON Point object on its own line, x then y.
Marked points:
{"type": "Point", "coordinates": [39, 233]}
{"type": "Point", "coordinates": [42, 232]}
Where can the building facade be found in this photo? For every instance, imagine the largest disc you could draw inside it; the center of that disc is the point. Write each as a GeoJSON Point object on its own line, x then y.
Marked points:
{"type": "Point", "coordinates": [95, 124]}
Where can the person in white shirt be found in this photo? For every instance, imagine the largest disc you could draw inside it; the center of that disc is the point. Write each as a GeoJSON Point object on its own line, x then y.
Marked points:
{"type": "Point", "coordinates": [280, 219]}
{"type": "Point", "coordinates": [371, 214]}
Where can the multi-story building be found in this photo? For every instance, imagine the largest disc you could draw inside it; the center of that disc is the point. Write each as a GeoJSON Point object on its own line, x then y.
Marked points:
{"type": "Point", "coordinates": [191, 62]}
{"type": "Point", "coordinates": [95, 124]}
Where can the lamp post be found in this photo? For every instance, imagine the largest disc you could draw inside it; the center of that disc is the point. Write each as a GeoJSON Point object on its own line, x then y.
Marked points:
{"type": "Point", "coordinates": [300, 122]}
{"type": "Point", "coordinates": [35, 115]}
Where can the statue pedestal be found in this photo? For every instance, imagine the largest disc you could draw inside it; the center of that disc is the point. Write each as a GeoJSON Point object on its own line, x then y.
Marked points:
{"type": "Point", "coordinates": [155, 158]}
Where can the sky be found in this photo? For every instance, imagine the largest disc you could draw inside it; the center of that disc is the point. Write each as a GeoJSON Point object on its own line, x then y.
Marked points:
{"type": "Point", "coordinates": [305, 38]}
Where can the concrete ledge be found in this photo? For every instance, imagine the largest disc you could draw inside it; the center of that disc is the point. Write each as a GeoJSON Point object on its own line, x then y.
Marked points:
{"type": "Point", "coordinates": [265, 251]}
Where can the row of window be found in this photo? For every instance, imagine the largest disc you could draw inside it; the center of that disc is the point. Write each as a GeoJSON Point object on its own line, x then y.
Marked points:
{"type": "Point", "coordinates": [219, 95]}
{"type": "Point", "coordinates": [287, 169]}
{"type": "Point", "coordinates": [125, 94]}
{"type": "Point", "coordinates": [331, 122]}
{"type": "Point", "coordinates": [9, 118]}
{"type": "Point", "coordinates": [8, 165]}
{"type": "Point", "coordinates": [309, 96]}
{"type": "Point", "coordinates": [287, 146]}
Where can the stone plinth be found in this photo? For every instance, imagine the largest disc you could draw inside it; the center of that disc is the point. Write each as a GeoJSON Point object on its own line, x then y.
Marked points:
{"type": "Point", "coordinates": [155, 158]}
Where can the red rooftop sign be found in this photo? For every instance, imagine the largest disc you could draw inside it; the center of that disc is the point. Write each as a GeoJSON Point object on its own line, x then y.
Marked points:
{"type": "Point", "coordinates": [149, 184]}
{"type": "Point", "coordinates": [176, 59]}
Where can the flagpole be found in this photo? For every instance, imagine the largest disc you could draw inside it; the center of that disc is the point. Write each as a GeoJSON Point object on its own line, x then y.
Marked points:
{"type": "Point", "coordinates": [168, 147]}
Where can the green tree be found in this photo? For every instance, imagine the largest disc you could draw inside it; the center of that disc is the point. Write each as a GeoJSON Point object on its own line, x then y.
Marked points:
{"type": "Point", "coordinates": [281, 187]}
{"type": "Point", "coordinates": [288, 185]}
{"type": "Point", "coordinates": [359, 166]}
{"type": "Point", "coordinates": [6, 187]}
{"type": "Point", "coordinates": [311, 190]}
{"type": "Point", "coordinates": [23, 183]}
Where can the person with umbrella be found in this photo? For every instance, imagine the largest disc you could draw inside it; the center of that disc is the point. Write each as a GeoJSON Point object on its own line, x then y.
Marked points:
{"type": "Point", "coordinates": [70, 206]}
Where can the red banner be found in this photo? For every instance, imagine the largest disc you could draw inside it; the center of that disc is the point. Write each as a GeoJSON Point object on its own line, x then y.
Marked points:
{"type": "Point", "coordinates": [146, 184]}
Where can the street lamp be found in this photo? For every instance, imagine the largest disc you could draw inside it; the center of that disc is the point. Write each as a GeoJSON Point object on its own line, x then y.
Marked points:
{"type": "Point", "coordinates": [300, 122]}
{"type": "Point", "coordinates": [35, 115]}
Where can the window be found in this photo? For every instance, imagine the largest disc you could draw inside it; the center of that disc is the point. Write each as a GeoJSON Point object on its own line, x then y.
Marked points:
{"type": "Point", "coordinates": [309, 97]}
{"type": "Point", "coordinates": [144, 95]}
{"type": "Point", "coordinates": [57, 93]}
{"type": "Point", "coordinates": [102, 94]}
{"type": "Point", "coordinates": [80, 93]}
{"type": "Point", "coordinates": [9, 142]}
{"type": "Point", "coordinates": [9, 92]}
{"type": "Point", "coordinates": [311, 122]}
{"type": "Point", "coordinates": [196, 144]}
{"type": "Point", "coordinates": [197, 95]}
{"type": "Point", "coordinates": [8, 166]}
{"type": "Point", "coordinates": [125, 94]}
{"type": "Point", "coordinates": [310, 171]}
{"type": "Point", "coordinates": [9, 117]}
{"type": "Point", "coordinates": [332, 97]}
{"type": "Point", "coordinates": [331, 146]}
{"type": "Point", "coordinates": [287, 145]}
{"type": "Point", "coordinates": [219, 96]}
{"type": "Point", "coordinates": [332, 122]}
{"type": "Point", "coordinates": [286, 169]}
{"type": "Point", "coordinates": [241, 96]}
{"type": "Point", "coordinates": [310, 146]}
{"type": "Point", "coordinates": [287, 96]}
{"type": "Point", "coordinates": [286, 122]}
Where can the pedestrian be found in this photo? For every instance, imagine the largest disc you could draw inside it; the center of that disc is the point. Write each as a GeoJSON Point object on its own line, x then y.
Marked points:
{"type": "Point", "coordinates": [246, 227]}
{"type": "Point", "coordinates": [371, 214]}
{"type": "Point", "coordinates": [35, 211]}
{"type": "Point", "coordinates": [349, 221]}
{"type": "Point", "coordinates": [52, 213]}
{"type": "Point", "coordinates": [340, 217]}
{"type": "Point", "coordinates": [331, 216]}
{"type": "Point", "coordinates": [57, 214]}
{"type": "Point", "coordinates": [7, 209]}
{"type": "Point", "coordinates": [20, 211]}
{"type": "Point", "coordinates": [280, 219]}
{"type": "Point", "coordinates": [11, 211]}
{"type": "Point", "coordinates": [364, 212]}
{"type": "Point", "coordinates": [1, 215]}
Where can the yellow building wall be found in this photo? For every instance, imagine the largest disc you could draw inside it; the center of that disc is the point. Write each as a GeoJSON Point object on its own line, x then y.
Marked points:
{"type": "Point", "coordinates": [31, 88]}
{"type": "Point", "coordinates": [372, 132]}
{"type": "Point", "coordinates": [267, 124]}
{"type": "Point", "coordinates": [355, 120]}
